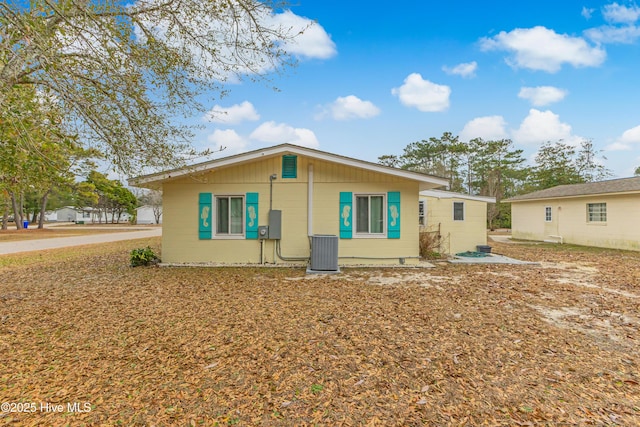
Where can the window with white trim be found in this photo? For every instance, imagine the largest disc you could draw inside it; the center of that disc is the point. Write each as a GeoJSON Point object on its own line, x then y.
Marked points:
{"type": "Point", "coordinates": [370, 214]}
{"type": "Point", "coordinates": [229, 215]}
{"type": "Point", "coordinates": [421, 217]}
{"type": "Point", "coordinates": [458, 211]}
{"type": "Point", "coordinates": [596, 212]}
{"type": "Point", "coordinates": [547, 213]}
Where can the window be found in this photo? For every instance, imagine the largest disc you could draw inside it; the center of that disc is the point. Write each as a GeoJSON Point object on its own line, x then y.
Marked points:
{"type": "Point", "coordinates": [421, 218]}
{"type": "Point", "coordinates": [370, 214]}
{"type": "Point", "coordinates": [229, 215]}
{"type": "Point", "coordinates": [596, 212]}
{"type": "Point", "coordinates": [458, 211]}
{"type": "Point", "coordinates": [547, 213]}
{"type": "Point", "coordinates": [86, 214]}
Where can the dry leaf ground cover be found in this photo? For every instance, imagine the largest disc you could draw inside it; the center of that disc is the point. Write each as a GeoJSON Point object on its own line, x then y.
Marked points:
{"type": "Point", "coordinates": [554, 344]}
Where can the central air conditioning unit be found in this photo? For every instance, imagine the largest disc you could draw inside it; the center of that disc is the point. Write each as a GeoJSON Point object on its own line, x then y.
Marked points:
{"type": "Point", "coordinates": [324, 253]}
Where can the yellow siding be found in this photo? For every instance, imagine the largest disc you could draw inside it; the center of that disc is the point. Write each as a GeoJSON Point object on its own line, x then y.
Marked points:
{"type": "Point", "coordinates": [569, 220]}
{"type": "Point", "coordinates": [180, 243]}
{"type": "Point", "coordinates": [457, 236]}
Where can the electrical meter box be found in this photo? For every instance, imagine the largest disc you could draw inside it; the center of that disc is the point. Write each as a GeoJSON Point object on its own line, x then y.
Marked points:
{"type": "Point", "coordinates": [263, 232]}
{"type": "Point", "coordinates": [275, 224]}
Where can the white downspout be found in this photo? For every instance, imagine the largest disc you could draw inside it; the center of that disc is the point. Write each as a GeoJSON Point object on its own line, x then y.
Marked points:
{"type": "Point", "coordinates": [310, 201]}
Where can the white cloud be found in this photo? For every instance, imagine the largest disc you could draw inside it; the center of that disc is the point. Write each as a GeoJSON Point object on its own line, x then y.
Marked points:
{"type": "Point", "coordinates": [542, 95]}
{"type": "Point", "coordinates": [621, 26]}
{"type": "Point", "coordinates": [489, 128]}
{"type": "Point", "coordinates": [348, 108]}
{"type": "Point", "coordinates": [616, 13]}
{"type": "Point", "coordinates": [543, 126]}
{"type": "Point", "coordinates": [587, 13]}
{"type": "Point", "coordinates": [631, 136]}
{"type": "Point", "coordinates": [229, 139]}
{"type": "Point", "coordinates": [238, 50]}
{"type": "Point", "coordinates": [610, 34]}
{"type": "Point", "coordinates": [467, 69]}
{"type": "Point", "coordinates": [423, 94]}
{"type": "Point", "coordinates": [618, 146]}
{"type": "Point", "coordinates": [539, 48]}
{"type": "Point", "coordinates": [626, 140]}
{"type": "Point", "coordinates": [232, 115]}
{"type": "Point", "coordinates": [281, 133]}
{"type": "Point", "coordinates": [312, 40]}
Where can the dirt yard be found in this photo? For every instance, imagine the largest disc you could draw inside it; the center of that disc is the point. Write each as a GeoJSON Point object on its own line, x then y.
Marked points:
{"type": "Point", "coordinates": [87, 340]}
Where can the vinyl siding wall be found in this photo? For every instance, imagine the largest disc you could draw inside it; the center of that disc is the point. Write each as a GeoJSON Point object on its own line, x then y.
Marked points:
{"type": "Point", "coordinates": [458, 236]}
{"type": "Point", "coordinates": [180, 242]}
{"type": "Point", "coordinates": [569, 220]}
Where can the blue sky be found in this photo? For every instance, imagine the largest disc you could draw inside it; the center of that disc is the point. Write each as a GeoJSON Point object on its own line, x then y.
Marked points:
{"type": "Point", "coordinates": [374, 77]}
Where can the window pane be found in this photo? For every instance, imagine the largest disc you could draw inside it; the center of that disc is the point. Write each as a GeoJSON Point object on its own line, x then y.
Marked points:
{"type": "Point", "coordinates": [458, 211]}
{"type": "Point", "coordinates": [377, 214]}
{"type": "Point", "coordinates": [236, 215]}
{"type": "Point", "coordinates": [362, 221]}
{"type": "Point", "coordinates": [597, 212]}
{"type": "Point", "coordinates": [222, 215]}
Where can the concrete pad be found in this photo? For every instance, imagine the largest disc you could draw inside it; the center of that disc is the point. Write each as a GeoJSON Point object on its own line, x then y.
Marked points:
{"type": "Point", "coordinates": [490, 259]}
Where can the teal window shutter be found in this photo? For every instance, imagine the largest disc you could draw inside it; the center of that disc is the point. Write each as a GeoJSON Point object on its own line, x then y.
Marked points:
{"type": "Point", "coordinates": [205, 215]}
{"type": "Point", "coordinates": [251, 226]}
{"type": "Point", "coordinates": [289, 166]}
{"type": "Point", "coordinates": [346, 215]}
{"type": "Point", "coordinates": [393, 215]}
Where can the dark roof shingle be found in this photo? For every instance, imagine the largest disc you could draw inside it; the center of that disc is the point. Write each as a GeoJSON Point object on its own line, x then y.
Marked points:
{"type": "Point", "coordinates": [620, 185]}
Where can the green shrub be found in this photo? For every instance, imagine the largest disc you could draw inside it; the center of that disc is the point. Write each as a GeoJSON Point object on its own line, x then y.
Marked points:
{"type": "Point", "coordinates": [143, 256]}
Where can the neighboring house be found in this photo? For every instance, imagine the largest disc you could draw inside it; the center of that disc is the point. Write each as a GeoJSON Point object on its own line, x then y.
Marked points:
{"type": "Point", "coordinates": [148, 214]}
{"type": "Point", "coordinates": [86, 215]}
{"type": "Point", "coordinates": [459, 219]}
{"type": "Point", "coordinates": [218, 211]}
{"type": "Point", "coordinates": [603, 214]}
{"type": "Point", "coordinates": [72, 214]}
{"type": "Point", "coordinates": [50, 216]}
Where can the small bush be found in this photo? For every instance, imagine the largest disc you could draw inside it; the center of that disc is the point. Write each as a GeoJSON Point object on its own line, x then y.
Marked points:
{"type": "Point", "coordinates": [430, 244]}
{"type": "Point", "coordinates": [143, 256]}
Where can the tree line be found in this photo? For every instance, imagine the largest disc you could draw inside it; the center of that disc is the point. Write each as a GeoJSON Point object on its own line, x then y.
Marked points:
{"type": "Point", "coordinates": [495, 168]}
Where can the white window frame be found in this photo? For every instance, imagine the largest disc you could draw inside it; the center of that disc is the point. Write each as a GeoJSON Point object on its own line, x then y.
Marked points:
{"type": "Point", "coordinates": [548, 214]}
{"type": "Point", "coordinates": [385, 207]}
{"type": "Point", "coordinates": [422, 218]}
{"type": "Point", "coordinates": [601, 213]}
{"type": "Point", "coordinates": [453, 211]}
{"type": "Point", "coordinates": [214, 217]}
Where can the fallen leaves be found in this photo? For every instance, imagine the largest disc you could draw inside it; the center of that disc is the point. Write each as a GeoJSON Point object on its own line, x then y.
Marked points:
{"type": "Point", "coordinates": [454, 345]}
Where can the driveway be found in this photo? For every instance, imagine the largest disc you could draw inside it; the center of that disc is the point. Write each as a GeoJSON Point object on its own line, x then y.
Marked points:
{"type": "Point", "coordinates": [63, 242]}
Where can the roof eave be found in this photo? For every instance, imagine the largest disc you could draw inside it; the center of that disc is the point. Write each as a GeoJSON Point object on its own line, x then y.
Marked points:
{"type": "Point", "coordinates": [155, 180]}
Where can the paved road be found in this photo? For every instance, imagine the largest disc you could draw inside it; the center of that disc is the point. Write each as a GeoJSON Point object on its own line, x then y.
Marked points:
{"type": "Point", "coordinates": [63, 242]}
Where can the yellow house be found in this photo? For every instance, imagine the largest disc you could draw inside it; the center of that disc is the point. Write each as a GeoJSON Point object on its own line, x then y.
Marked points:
{"type": "Point", "coordinates": [460, 220]}
{"type": "Point", "coordinates": [603, 214]}
{"type": "Point", "coordinates": [289, 204]}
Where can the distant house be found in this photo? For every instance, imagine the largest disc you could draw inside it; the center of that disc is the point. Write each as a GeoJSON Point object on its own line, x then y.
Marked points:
{"type": "Point", "coordinates": [86, 215]}
{"type": "Point", "coordinates": [289, 204]}
{"type": "Point", "coordinates": [460, 220]}
{"type": "Point", "coordinates": [72, 214]}
{"type": "Point", "coordinates": [603, 214]}
{"type": "Point", "coordinates": [149, 214]}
